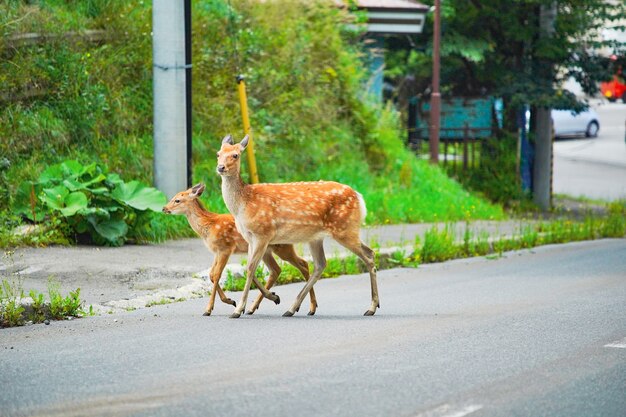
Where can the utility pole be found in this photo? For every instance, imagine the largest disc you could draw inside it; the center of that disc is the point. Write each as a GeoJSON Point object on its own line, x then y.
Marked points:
{"type": "Point", "coordinates": [247, 130]}
{"type": "Point", "coordinates": [542, 169]}
{"type": "Point", "coordinates": [435, 96]}
{"type": "Point", "coordinates": [171, 56]}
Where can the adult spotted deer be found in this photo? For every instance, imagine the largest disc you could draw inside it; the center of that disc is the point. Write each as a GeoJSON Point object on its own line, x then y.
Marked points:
{"type": "Point", "coordinates": [268, 214]}
{"type": "Point", "coordinates": [221, 237]}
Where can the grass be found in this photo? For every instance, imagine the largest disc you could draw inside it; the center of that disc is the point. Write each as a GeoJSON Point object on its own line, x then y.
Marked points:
{"type": "Point", "coordinates": [160, 302]}
{"type": "Point", "coordinates": [16, 309]}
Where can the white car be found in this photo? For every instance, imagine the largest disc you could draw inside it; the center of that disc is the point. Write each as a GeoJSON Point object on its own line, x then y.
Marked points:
{"type": "Point", "coordinates": [566, 123]}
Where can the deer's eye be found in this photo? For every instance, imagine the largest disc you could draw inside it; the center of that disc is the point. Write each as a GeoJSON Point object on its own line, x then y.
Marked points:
{"type": "Point", "coordinates": [177, 201]}
{"type": "Point", "coordinates": [218, 154]}
{"type": "Point", "coordinates": [235, 156]}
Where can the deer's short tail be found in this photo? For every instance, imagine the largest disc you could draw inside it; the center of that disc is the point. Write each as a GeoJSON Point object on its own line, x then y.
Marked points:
{"type": "Point", "coordinates": [362, 206]}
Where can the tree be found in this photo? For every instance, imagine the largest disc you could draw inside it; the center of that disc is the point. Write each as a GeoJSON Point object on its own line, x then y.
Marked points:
{"type": "Point", "coordinates": [495, 47]}
{"type": "Point", "coordinates": [522, 51]}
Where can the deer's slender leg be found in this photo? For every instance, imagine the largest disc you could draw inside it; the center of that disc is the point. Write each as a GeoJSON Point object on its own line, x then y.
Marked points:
{"type": "Point", "coordinates": [319, 262]}
{"type": "Point", "coordinates": [256, 250]}
{"type": "Point", "coordinates": [221, 293]}
{"type": "Point", "coordinates": [275, 270]}
{"type": "Point", "coordinates": [288, 253]}
{"type": "Point", "coordinates": [353, 243]}
{"type": "Point", "coordinates": [216, 272]}
{"type": "Point", "coordinates": [209, 307]}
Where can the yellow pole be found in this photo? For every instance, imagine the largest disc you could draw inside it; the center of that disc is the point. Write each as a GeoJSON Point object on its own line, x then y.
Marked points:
{"type": "Point", "coordinates": [243, 100]}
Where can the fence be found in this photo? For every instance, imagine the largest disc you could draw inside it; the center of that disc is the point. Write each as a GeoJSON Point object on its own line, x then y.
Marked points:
{"type": "Point", "coordinates": [458, 147]}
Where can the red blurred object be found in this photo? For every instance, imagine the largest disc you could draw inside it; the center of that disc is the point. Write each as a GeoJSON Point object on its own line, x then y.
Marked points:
{"type": "Point", "coordinates": [616, 88]}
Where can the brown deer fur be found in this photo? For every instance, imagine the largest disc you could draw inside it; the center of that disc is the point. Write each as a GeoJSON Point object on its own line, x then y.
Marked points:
{"type": "Point", "coordinates": [221, 237]}
{"type": "Point", "coordinates": [267, 214]}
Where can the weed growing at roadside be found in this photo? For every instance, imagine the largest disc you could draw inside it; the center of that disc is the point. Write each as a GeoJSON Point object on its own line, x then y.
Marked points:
{"type": "Point", "coordinates": [160, 302]}
{"type": "Point", "coordinates": [16, 309]}
{"type": "Point", "coordinates": [439, 245]}
{"type": "Point", "coordinates": [61, 307]}
{"type": "Point", "coordinates": [10, 307]}
{"type": "Point", "coordinates": [336, 266]}
{"type": "Point", "coordinates": [39, 314]}
{"type": "Point", "coordinates": [616, 223]}
{"type": "Point", "coordinates": [233, 283]}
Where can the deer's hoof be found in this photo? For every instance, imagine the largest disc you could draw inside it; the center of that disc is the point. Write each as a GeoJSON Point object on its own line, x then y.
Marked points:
{"type": "Point", "coordinates": [206, 313]}
{"type": "Point", "coordinates": [277, 300]}
{"type": "Point", "coordinates": [369, 313]}
{"type": "Point", "coordinates": [311, 313]}
{"type": "Point", "coordinates": [235, 315]}
{"type": "Point", "coordinates": [232, 303]}
{"type": "Point", "coordinates": [249, 312]}
{"type": "Point", "coordinates": [288, 314]}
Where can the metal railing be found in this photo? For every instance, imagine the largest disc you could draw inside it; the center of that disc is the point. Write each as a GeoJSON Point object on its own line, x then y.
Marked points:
{"type": "Point", "coordinates": [455, 144]}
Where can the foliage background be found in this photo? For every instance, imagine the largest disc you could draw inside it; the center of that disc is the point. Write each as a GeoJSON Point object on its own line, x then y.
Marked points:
{"type": "Point", "coordinates": [72, 98]}
{"type": "Point", "coordinates": [494, 47]}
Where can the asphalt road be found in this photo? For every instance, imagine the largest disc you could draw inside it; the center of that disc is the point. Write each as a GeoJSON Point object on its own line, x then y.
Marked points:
{"type": "Point", "coordinates": [594, 167]}
{"type": "Point", "coordinates": [537, 333]}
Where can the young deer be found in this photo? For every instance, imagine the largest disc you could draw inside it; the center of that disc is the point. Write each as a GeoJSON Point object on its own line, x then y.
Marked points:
{"type": "Point", "coordinates": [222, 238]}
{"type": "Point", "coordinates": [268, 214]}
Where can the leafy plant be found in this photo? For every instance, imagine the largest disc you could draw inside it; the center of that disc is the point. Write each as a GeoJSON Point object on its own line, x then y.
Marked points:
{"type": "Point", "coordinates": [616, 223]}
{"type": "Point", "coordinates": [10, 307]}
{"type": "Point", "coordinates": [61, 307]}
{"type": "Point", "coordinates": [439, 245]}
{"type": "Point", "coordinates": [90, 200]}
{"type": "Point", "coordinates": [347, 265]}
{"type": "Point", "coordinates": [39, 313]}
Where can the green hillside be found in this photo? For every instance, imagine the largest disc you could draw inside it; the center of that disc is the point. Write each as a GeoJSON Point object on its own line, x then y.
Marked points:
{"type": "Point", "coordinates": [82, 90]}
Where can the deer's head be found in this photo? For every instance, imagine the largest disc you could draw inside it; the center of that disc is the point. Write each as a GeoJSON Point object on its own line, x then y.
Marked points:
{"type": "Point", "coordinates": [179, 203]}
{"type": "Point", "coordinates": [229, 156]}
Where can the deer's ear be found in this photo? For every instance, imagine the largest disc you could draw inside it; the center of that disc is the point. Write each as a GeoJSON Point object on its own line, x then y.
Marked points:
{"type": "Point", "coordinates": [197, 190]}
{"type": "Point", "coordinates": [227, 139]}
{"type": "Point", "coordinates": [244, 142]}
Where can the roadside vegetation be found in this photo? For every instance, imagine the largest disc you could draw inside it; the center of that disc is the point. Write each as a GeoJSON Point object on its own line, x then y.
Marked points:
{"type": "Point", "coordinates": [81, 91]}
{"type": "Point", "coordinates": [18, 308]}
{"type": "Point", "coordinates": [441, 244]}
{"type": "Point", "coordinates": [438, 244]}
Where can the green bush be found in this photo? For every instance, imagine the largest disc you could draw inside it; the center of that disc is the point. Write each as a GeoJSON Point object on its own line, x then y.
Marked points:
{"type": "Point", "coordinates": [496, 175]}
{"type": "Point", "coordinates": [90, 200]}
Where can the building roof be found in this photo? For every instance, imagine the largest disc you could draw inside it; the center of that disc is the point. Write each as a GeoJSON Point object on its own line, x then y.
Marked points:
{"type": "Point", "coordinates": [391, 4]}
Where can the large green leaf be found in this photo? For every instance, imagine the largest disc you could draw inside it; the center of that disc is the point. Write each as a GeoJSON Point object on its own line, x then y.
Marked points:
{"type": "Point", "coordinates": [74, 184]}
{"type": "Point", "coordinates": [54, 197]}
{"type": "Point", "coordinates": [100, 212]}
{"type": "Point", "coordinates": [65, 170]}
{"type": "Point", "coordinates": [139, 196]}
{"type": "Point", "coordinates": [113, 179]}
{"type": "Point", "coordinates": [51, 175]}
{"type": "Point", "coordinates": [59, 198]}
{"type": "Point", "coordinates": [112, 231]}
{"type": "Point", "coordinates": [72, 168]}
{"type": "Point", "coordinates": [74, 202]}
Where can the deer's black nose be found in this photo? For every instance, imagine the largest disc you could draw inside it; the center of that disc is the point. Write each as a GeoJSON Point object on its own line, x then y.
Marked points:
{"type": "Point", "coordinates": [221, 169]}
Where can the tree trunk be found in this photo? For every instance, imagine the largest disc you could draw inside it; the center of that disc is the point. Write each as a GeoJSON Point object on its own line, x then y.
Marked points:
{"type": "Point", "coordinates": [542, 169]}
